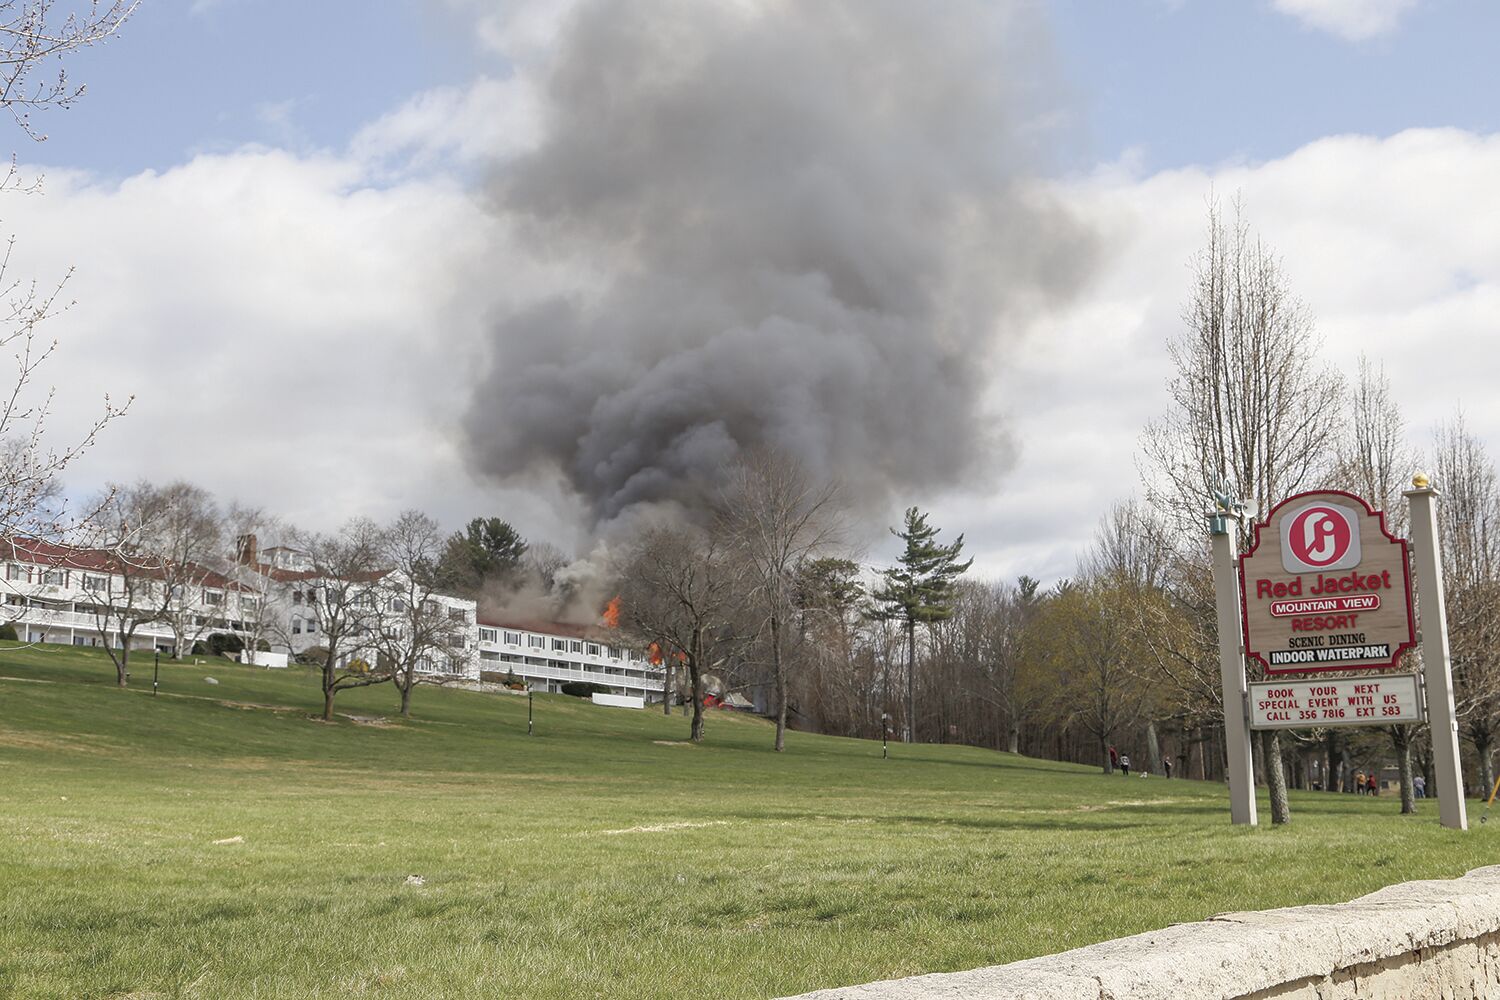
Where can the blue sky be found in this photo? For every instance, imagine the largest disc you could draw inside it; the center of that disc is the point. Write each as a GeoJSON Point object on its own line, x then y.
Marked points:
{"type": "Point", "coordinates": [1174, 83]}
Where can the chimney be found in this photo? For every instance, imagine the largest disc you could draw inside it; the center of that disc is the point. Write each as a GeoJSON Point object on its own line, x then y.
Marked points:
{"type": "Point", "coordinates": [245, 550]}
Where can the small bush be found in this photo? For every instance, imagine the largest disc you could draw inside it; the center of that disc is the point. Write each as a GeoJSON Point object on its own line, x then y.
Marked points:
{"type": "Point", "coordinates": [8, 631]}
{"type": "Point", "coordinates": [199, 649]}
{"type": "Point", "coordinates": [583, 689]}
{"type": "Point", "coordinates": [219, 643]}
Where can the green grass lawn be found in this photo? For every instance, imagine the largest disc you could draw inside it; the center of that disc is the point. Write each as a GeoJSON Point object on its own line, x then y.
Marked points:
{"type": "Point", "coordinates": [601, 857]}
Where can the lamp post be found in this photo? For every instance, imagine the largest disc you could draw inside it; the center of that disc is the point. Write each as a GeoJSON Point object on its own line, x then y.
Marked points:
{"type": "Point", "coordinates": [528, 711]}
{"type": "Point", "coordinates": [156, 675]}
{"type": "Point", "coordinates": [885, 728]}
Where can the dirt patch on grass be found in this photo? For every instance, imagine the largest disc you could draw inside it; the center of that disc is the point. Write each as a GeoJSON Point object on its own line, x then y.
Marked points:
{"type": "Point", "coordinates": [251, 706]}
{"type": "Point", "coordinates": [378, 721]}
{"type": "Point", "coordinates": [28, 680]}
{"type": "Point", "coordinates": [1124, 804]}
{"type": "Point", "coordinates": [53, 742]}
{"type": "Point", "coordinates": [672, 743]}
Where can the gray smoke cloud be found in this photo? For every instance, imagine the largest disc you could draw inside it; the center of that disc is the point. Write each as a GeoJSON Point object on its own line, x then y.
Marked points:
{"type": "Point", "coordinates": [811, 226]}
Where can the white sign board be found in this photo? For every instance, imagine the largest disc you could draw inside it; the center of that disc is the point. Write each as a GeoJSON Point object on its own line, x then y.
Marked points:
{"type": "Point", "coordinates": [1380, 699]}
{"type": "Point", "coordinates": [619, 701]}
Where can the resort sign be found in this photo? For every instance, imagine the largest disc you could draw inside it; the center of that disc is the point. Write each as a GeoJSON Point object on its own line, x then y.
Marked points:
{"type": "Point", "coordinates": [1384, 699]}
{"type": "Point", "coordinates": [1325, 587]}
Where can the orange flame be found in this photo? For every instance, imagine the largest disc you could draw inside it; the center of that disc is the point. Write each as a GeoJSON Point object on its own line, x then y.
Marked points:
{"type": "Point", "coordinates": [612, 612]}
{"type": "Point", "coordinates": [653, 653]}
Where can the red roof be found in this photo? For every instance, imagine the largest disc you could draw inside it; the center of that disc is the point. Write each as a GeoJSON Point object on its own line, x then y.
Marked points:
{"type": "Point", "coordinates": [43, 553]}
{"type": "Point", "coordinates": [593, 633]}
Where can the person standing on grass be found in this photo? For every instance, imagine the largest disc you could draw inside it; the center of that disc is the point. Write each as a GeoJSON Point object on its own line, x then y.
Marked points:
{"type": "Point", "coordinates": [1359, 782]}
{"type": "Point", "coordinates": [1419, 786]}
{"type": "Point", "coordinates": [1125, 764]}
{"type": "Point", "coordinates": [1114, 758]}
{"type": "Point", "coordinates": [1166, 767]}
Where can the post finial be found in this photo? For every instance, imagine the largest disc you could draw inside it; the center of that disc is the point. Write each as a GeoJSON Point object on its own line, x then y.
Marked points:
{"type": "Point", "coordinates": [1420, 481]}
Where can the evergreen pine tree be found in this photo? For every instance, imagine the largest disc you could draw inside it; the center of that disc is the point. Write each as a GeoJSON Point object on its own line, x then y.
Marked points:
{"type": "Point", "coordinates": [918, 590]}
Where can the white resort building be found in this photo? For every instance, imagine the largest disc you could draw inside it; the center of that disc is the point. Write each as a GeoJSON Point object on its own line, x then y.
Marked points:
{"type": "Point", "coordinates": [84, 597]}
{"type": "Point", "coordinates": [547, 655]}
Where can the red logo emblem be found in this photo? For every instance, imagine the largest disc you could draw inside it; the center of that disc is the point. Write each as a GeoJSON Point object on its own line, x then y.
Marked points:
{"type": "Point", "coordinates": [1319, 536]}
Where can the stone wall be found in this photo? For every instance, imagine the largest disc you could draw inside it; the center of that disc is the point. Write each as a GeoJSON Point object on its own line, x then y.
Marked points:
{"type": "Point", "coordinates": [1414, 941]}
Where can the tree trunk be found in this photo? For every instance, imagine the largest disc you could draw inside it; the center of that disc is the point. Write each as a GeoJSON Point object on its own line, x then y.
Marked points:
{"type": "Point", "coordinates": [1104, 761]}
{"type": "Point", "coordinates": [669, 683]}
{"type": "Point", "coordinates": [406, 699]}
{"type": "Point", "coordinates": [1486, 765]}
{"type": "Point", "coordinates": [1013, 736]}
{"type": "Point", "coordinates": [328, 690]}
{"type": "Point", "coordinates": [1257, 756]}
{"type": "Point", "coordinates": [1281, 810]}
{"type": "Point", "coordinates": [911, 681]}
{"type": "Point", "coordinates": [1153, 749]}
{"type": "Point", "coordinates": [122, 664]}
{"type": "Point", "coordinates": [779, 673]}
{"type": "Point", "coordinates": [1401, 738]}
{"type": "Point", "coordinates": [695, 671]}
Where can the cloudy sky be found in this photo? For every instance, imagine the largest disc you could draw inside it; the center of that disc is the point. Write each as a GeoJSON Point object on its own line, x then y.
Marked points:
{"type": "Point", "coordinates": [287, 242]}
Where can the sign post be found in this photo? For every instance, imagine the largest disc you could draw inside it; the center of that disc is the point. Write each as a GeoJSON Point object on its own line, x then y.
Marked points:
{"type": "Point", "coordinates": [1442, 717]}
{"type": "Point", "coordinates": [1222, 525]}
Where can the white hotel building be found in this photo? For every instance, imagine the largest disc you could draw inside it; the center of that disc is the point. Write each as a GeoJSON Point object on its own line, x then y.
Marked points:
{"type": "Point", "coordinates": [546, 656]}
{"type": "Point", "coordinates": [51, 593]}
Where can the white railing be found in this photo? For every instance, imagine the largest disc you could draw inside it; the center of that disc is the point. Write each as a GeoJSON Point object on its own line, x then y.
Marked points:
{"type": "Point", "coordinates": [529, 671]}
{"type": "Point", "coordinates": [49, 618]}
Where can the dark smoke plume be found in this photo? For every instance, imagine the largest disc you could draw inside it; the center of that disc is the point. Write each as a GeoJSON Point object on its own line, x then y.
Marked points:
{"type": "Point", "coordinates": [804, 225]}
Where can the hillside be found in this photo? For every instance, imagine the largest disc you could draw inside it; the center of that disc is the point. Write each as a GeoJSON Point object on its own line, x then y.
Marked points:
{"type": "Point", "coordinates": [600, 857]}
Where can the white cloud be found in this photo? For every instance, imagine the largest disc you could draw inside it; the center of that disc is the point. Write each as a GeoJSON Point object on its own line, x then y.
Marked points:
{"type": "Point", "coordinates": [1351, 20]}
{"type": "Point", "coordinates": [454, 126]}
{"type": "Point", "coordinates": [1386, 239]}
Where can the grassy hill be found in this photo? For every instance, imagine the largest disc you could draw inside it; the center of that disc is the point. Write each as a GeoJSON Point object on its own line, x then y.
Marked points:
{"type": "Point", "coordinates": [602, 857]}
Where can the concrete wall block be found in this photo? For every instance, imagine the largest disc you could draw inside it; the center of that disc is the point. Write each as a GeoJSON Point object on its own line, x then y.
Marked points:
{"type": "Point", "coordinates": [1429, 940]}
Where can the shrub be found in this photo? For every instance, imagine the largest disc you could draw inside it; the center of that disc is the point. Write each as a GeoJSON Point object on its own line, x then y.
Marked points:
{"type": "Point", "coordinates": [220, 643]}
{"type": "Point", "coordinates": [8, 631]}
{"type": "Point", "coordinates": [199, 649]}
{"type": "Point", "coordinates": [583, 689]}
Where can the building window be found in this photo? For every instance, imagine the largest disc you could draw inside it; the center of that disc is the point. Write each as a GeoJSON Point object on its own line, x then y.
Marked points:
{"type": "Point", "coordinates": [296, 626]}
{"type": "Point", "coordinates": [514, 638]}
{"type": "Point", "coordinates": [213, 597]}
{"type": "Point", "coordinates": [559, 645]}
{"type": "Point", "coordinates": [55, 577]}
{"type": "Point", "coordinates": [397, 604]}
{"type": "Point", "coordinates": [457, 615]}
{"type": "Point", "coordinates": [312, 625]}
{"type": "Point", "coordinates": [488, 635]}
{"type": "Point", "coordinates": [296, 597]}
{"type": "Point", "coordinates": [594, 649]}
{"type": "Point", "coordinates": [577, 646]}
{"type": "Point", "coordinates": [488, 655]}
{"type": "Point", "coordinates": [95, 583]}
{"type": "Point", "coordinates": [14, 572]}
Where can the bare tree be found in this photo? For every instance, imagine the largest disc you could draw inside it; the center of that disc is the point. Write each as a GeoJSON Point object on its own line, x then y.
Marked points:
{"type": "Point", "coordinates": [679, 592]}
{"type": "Point", "coordinates": [1251, 409]}
{"type": "Point", "coordinates": [187, 537]}
{"type": "Point", "coordinates": [341, 593]}
{"type": "Point", "coordinates": [421, 634]}
{"type": "Point", "coordinates": [129, 589]}
{"type": "Point", "coordinates": [1469, 533]}
{"type": "Point", "coordinates": [543, 560]}
{"type": "Point", "coordinates": [1375, 462]}
{"type": "Point", "coordinates": [775, 516]}
{"type": "Point", "coordinates": [35, 36]}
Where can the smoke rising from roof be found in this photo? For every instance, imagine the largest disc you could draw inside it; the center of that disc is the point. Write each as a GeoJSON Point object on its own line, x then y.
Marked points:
{"type": "Point", "coordinates": [808, 226]}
